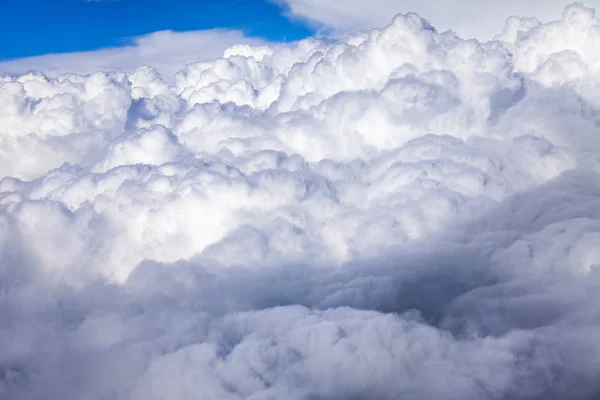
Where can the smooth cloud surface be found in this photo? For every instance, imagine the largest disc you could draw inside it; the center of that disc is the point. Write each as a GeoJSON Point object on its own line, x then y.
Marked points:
{"type": "Point", "coordinates": [397, 214]}
{"type": "Point", "coordinates": [166, 51]}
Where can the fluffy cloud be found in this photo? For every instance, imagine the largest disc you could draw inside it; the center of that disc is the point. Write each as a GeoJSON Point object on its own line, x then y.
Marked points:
{"type": "Point", "coordinates": [469, 18]}
{"type": "Point", "coordinates": [399, 213]}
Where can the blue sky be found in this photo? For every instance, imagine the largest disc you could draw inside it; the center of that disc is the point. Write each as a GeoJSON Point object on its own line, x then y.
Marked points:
{"type": "Point", "coordinates": [41, 26]}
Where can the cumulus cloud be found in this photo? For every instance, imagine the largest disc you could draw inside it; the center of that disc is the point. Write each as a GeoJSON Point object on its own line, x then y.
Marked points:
{"type": "Point", "coordinates": [399, 213]}
{"type": "Point", "coordinates": [469, 18]}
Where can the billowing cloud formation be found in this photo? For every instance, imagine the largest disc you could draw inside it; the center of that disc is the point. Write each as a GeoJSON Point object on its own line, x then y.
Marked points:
{"type": "Point", "coordinates": [480, 19]}
{"type": "Point", "coordinates": [397, 214]}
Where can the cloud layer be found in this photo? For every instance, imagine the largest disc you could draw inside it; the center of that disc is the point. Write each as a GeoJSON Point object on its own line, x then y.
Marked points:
{"type": "Point", "coordinates": [469, 18]}
{"type": "Point", "coordinates": [166, 51]}
{"type": "Point", "coordinates": [399, 213]}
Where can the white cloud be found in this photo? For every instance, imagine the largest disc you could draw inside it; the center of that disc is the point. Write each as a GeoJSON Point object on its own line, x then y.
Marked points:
{"type": "Point", "coordinates": [167, 51]}
{"type": "Point", "coordinates": [395, 214]}
{"type": "Point", "coordinates": [482, 19]}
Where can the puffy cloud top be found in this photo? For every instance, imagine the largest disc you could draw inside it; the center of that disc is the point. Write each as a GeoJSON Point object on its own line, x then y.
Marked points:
{"type": "Point", "coordinates": [399, 213]}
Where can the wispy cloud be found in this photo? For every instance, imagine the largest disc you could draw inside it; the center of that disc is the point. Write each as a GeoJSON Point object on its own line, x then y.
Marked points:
{"type": "Point", "coordinates": [167, 51]}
